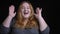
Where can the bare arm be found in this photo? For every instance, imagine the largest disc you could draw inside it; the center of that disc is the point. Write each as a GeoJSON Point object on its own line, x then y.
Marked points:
{"type": "Point", "coordinates": [4, 27]}
{"type": "Point", "coordinates": [42, 23]}
{"type": "Point", "coordinates": [7, 21]}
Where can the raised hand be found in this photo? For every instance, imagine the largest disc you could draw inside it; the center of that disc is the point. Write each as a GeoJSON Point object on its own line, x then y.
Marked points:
{"type": "Point", "coordinates": [42, 22]}
{"type": "Point", "coordinates": [11, 11]}
{"type": "Point", "coordinates": [38, 13]}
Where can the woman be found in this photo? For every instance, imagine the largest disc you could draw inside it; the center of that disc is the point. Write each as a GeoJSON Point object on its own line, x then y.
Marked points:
{"type": "Point", "coordinates": [25, 22]}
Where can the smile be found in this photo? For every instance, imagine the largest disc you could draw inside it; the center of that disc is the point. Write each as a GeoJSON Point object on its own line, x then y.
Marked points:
{"type": "Point", "coordinates": [26, 13]}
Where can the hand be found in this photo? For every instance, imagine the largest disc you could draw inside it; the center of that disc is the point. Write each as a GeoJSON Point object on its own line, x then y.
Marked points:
{"type": "Point", "coordinates": [38, 13]}
{"type": "Point", "coordinates": [42, 22]}
{"type": "Point", "coordinates": [11, 11]}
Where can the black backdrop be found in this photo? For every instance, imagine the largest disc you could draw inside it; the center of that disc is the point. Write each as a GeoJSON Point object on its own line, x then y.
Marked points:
{"type": "Point", "coordinates": [46, 5]}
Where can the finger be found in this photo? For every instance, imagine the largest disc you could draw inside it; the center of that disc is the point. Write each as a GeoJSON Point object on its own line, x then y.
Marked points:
{"type": "Point", "coordinates": [37, 10]}
{"type": "Point", "coordinates": [41, 10]}
{"type": "Point", "coordinates": [15, 13]}
{"type": "Point", "coordinates": [35, 15]}
{"type": "Point", "coordinates": [12, 8]}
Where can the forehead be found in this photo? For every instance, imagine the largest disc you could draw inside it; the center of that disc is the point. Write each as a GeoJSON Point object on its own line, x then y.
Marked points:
{"type": "Point", "coordinates": [25, 4]}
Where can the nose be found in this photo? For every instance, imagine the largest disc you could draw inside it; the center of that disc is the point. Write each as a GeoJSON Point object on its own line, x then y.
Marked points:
{"type": "Point", "coordinates": [25, 9]}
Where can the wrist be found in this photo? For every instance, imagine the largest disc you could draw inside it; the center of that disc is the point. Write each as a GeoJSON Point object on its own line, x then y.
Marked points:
{"type": "Point", "coordinates": [40, 17]}
{"type": "Point", "coordinates": [10, 16]}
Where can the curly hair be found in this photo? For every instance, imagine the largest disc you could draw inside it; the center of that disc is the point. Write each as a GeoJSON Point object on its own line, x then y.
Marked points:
{"type": "Point", "coordinates": [31, 23]}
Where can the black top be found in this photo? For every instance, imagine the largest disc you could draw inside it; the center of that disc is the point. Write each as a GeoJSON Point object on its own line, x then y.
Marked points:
{"type": "Point", "coordinates": [12, 30]}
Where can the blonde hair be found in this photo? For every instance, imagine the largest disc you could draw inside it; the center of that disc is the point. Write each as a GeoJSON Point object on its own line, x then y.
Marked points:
{"type": "Point", "coordinates": [32, 22]}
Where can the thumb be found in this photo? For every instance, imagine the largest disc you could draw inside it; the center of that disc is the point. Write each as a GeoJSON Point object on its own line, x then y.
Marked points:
{"type": "Point", "coordinates": [35, 15]}
{"type": "Point", "coordinates": [15, 13]}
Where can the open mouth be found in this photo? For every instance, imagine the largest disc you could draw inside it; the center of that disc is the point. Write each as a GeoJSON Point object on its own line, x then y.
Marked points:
{"type": "Point", "coordinates": [26, 13]}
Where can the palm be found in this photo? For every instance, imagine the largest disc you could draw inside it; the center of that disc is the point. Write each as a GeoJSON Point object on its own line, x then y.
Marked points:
{"type": "Point", "coordinates": [11, 11]}
{"type": "Point", "coordinates": [38, 13]}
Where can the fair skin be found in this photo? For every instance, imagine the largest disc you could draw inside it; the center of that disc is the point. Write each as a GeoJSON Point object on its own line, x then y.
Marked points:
{"type": "Point", "coordinates": [25, 10]}
{"type": "Point", "coordinates": [25, 13]}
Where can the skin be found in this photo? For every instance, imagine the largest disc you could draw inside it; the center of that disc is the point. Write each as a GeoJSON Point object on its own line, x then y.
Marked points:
{"type": "Point", "coordinates": [26, 9]}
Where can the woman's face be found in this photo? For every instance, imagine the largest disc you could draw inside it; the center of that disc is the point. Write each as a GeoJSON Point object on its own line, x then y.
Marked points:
{"type": "Point", "coordinates": [25, 10]}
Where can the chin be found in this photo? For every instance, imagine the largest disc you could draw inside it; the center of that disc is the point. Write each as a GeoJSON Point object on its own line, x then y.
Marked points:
{"type": "Point", "coordinates": [26, 16]}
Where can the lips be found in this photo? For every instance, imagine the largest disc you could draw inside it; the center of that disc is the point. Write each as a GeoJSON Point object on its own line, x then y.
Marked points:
{"type": "Point", "coordinates": [26, 13]}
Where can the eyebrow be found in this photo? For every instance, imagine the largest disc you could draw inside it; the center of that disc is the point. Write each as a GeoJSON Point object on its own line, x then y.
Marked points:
{"type": "Point", "coordinates": [27, 6]}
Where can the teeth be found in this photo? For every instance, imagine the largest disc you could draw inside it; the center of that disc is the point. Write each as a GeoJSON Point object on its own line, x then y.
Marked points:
{"type": "Point", "coordinates": [26, 12]}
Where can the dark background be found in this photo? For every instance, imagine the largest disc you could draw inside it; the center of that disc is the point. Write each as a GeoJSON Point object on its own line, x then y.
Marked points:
{"type": "Point", "coordinates": [47, 13]}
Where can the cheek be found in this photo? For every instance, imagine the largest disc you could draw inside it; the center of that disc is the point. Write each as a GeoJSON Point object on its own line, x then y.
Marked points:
{"type": "Point", "coordinates": [29, 11]}
{"type": "Point", "coordinates": [22, 11]}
